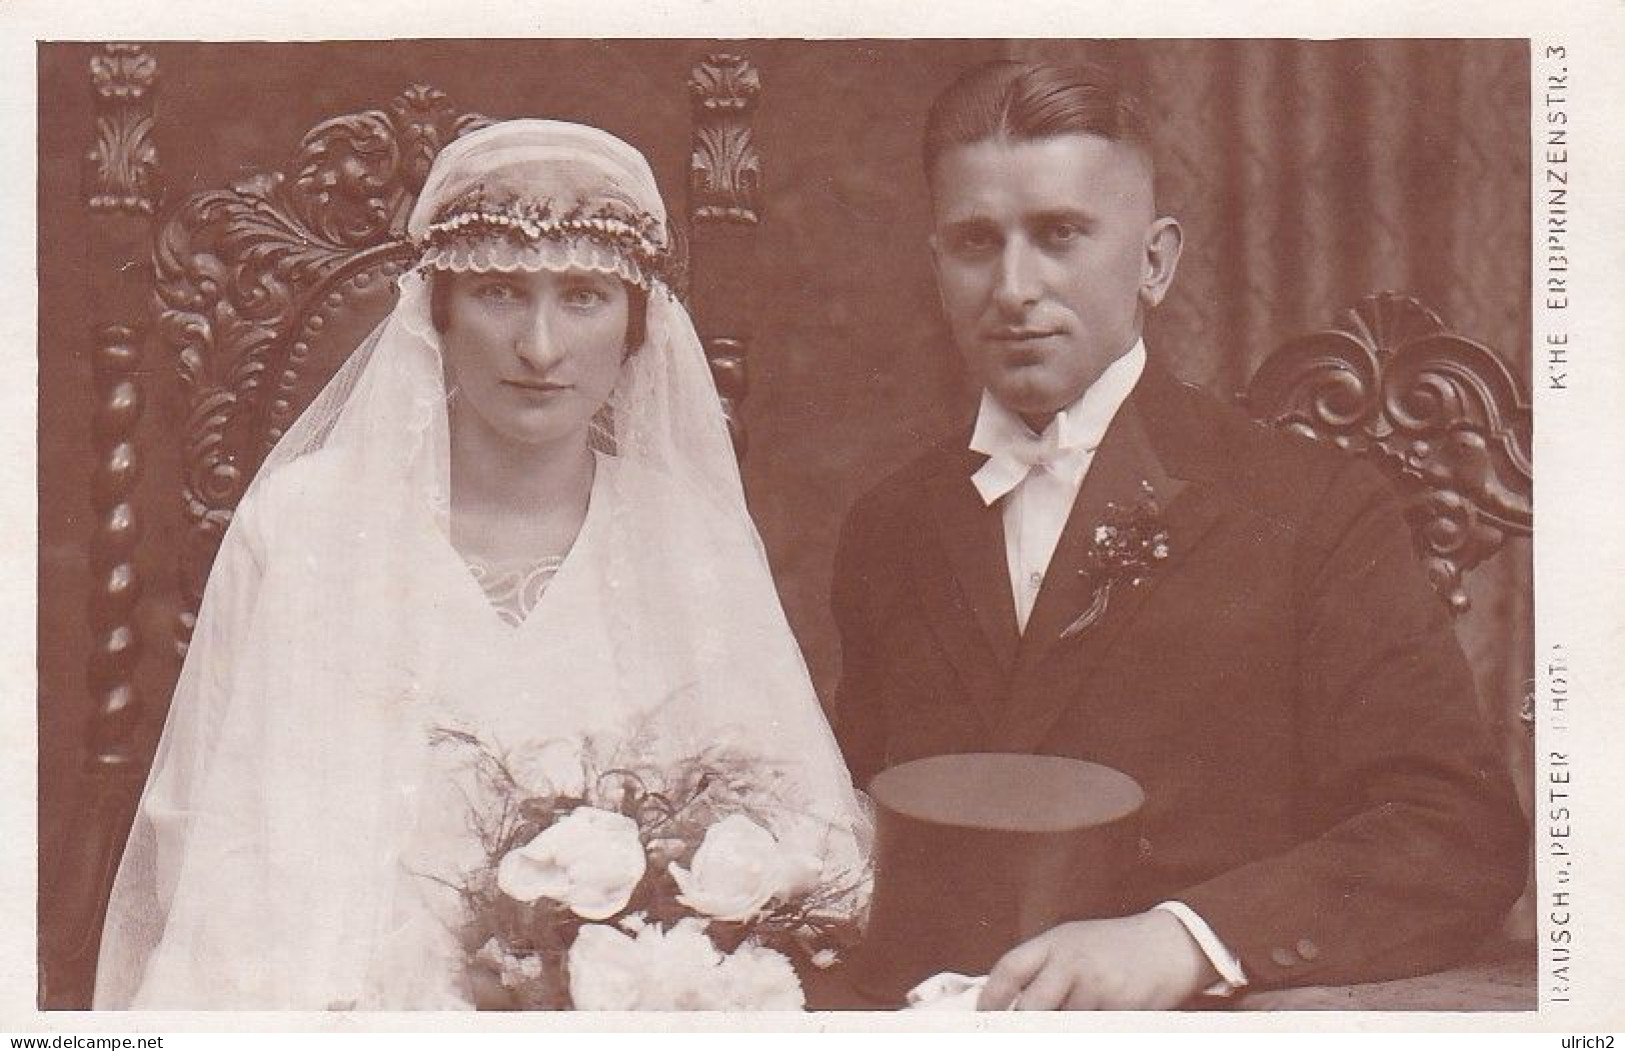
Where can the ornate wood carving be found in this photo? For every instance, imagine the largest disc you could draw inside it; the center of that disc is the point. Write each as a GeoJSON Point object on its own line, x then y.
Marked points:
{"type": "Point", "coordinates": [121, 168]}
{"type": "Point", "coordinates": [725, 170]}
{"type": "Point", "coordinates": [1439, 413]}
{"type": "Point", "coordinates": [248, 275]}
{"type": "Point", "coordinates": [725, 174]}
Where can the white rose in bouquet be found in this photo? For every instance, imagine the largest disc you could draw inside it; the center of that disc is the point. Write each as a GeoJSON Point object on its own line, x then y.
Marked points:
{"type": "Point", "coordinates": [739, 868]}
{"type": "Point", "coordinates": [590, 860]}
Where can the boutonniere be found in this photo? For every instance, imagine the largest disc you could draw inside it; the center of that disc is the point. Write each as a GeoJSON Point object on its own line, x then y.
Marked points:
{"type": "Point", "coordinates": [1127, 545]}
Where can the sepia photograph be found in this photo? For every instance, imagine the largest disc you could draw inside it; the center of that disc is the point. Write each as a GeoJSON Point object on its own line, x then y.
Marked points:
{"type": "Point", "coordinates": [765, 523]}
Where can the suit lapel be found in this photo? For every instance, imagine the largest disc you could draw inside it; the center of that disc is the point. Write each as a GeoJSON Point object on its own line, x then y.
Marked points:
{"type": "Point", "coordinates": [969, 604]}
{"type": "Point", "coordinates": [1128, 458]}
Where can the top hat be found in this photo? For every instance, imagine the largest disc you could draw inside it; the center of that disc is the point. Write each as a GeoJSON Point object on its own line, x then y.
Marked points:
{"type": "Point", "coordinates": [976, 853]}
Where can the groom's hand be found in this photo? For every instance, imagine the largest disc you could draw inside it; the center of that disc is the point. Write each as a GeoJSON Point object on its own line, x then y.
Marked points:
{"type": "Point", "coordinates": [1146, 962]}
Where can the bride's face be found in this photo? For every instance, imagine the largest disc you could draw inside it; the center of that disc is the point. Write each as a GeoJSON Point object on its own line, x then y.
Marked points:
{"type": "Point", "coordinates": [534, 355]}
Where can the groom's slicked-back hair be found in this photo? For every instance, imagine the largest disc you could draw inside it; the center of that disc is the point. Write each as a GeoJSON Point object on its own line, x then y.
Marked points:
{"type": "Point", "coordinates": [1022, 101]}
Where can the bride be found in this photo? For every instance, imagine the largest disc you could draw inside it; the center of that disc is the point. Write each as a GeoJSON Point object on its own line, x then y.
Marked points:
{"type": "Point", "coordinates": [514, 511]}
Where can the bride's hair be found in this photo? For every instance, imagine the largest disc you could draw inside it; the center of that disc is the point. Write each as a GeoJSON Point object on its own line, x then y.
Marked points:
{"type": "Point", "coordinates": [637, 307]}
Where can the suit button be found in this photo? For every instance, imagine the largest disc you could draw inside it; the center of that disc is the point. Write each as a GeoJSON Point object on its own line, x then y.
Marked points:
{"type": "Point", "coordinates": [1283, 957]}
{"type": "Point", "coordinates": [1308, 949]}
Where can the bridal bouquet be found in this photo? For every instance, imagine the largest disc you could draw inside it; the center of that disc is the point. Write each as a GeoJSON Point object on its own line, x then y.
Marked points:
{"type": "Point", "coordinates": [616, 880]}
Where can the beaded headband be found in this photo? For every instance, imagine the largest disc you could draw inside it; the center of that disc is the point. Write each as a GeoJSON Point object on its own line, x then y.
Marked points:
{"type": "Point", "coordinates": [473, 232]}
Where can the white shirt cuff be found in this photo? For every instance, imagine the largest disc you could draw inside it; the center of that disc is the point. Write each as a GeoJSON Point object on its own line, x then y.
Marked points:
{"type": "Point", "coordinates": [1231, 976]}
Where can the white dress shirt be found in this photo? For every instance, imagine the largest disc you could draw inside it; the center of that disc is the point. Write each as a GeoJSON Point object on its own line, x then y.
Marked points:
{"type": "Point", "coordinates": [1037, 476]}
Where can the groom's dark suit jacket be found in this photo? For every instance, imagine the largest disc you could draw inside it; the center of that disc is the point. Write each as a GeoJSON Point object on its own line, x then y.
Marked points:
{"type": "Point", "coordinates": [1286, 686]}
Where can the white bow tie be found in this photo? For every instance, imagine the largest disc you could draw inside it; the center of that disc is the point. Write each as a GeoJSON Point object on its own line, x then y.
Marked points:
{"type": "Point", "coordinates": [1017, 456]}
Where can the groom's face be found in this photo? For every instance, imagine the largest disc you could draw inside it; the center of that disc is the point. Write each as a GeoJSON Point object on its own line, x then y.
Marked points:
{"type": "Point", "coordinates": [1047, 251]}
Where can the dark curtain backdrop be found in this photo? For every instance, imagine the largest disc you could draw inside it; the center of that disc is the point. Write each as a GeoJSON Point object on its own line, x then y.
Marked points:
{"type": "Point", "coordinates": [1306, 174]}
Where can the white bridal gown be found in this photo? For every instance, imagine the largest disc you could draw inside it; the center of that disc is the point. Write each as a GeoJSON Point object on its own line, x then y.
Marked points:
{"type": "Point", "coordinates": [288, 857]}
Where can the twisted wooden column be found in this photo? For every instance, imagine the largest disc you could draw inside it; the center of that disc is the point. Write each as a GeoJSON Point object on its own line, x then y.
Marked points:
{"type": "Point", "coordinates": [121, 190]}
{"type": "Point", "coordinates": [117, 583]}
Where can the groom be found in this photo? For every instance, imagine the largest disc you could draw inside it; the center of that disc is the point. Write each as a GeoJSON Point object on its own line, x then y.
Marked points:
{"type": "Point", "coordinates": [1265, 656]}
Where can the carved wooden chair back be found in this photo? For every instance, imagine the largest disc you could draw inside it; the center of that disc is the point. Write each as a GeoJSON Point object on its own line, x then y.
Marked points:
{"type": "Point", "coordinates": [262, 289]}
{"type": "Point", "coordinates": [1442, 416]}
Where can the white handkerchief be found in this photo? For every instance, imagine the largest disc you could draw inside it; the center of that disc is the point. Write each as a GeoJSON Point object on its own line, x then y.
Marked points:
{"type": "Point", "coordinates": [946, 992]}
